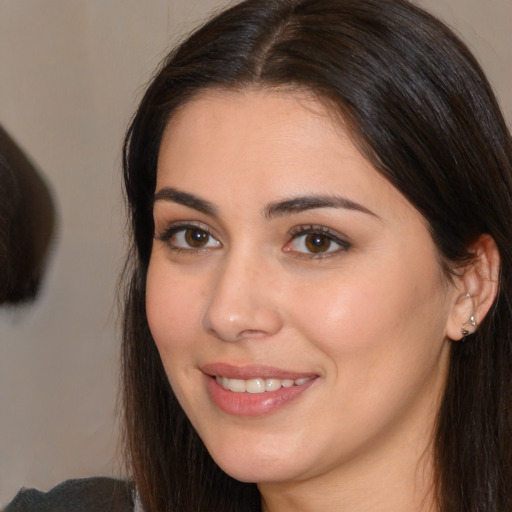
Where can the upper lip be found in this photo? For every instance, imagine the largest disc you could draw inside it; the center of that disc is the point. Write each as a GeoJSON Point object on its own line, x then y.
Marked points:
{"type": "Point", "coordinates": [252, 372]}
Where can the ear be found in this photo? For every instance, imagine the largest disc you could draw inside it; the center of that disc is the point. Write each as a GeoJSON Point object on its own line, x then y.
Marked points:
{"type": "Point", "coordinates": [476, 288]}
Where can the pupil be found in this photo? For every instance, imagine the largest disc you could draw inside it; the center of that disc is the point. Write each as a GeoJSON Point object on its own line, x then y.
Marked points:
{"type": "Point", "coordinates": [317, 243]}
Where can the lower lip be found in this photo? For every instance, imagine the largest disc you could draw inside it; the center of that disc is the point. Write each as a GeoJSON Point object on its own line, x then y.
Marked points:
{"type": "Point", "coordinates": [257, 404]}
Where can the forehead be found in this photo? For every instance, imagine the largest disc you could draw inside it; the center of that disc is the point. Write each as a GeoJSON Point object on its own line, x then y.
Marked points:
{"type": "Point", "coordinates": [265, 144]}
{"type": "Point", "coordinates": [253, 116]}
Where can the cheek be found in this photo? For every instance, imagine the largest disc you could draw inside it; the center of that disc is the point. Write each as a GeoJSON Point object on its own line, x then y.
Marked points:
{"type": "Point", "coordinates": [366, 320]}
{"type": "Point", "coordinates": [173, 313]}
{"type": "Point", "coordinates": [381, 345]}
{"type": "Point", "coordinates": [341, 320]}
{"type": "Point", "coordinates": [172, 309]}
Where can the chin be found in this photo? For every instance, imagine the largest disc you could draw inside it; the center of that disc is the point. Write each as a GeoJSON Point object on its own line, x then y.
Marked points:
{"type": "Point", "coordinates": [257, 468]}
{"type": "Point", "coordinates": [249, 474]}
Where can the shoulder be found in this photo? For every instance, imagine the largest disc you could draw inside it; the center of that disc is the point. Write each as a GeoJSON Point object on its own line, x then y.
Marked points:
{"type": "Point", "coordinates": [82, 495]}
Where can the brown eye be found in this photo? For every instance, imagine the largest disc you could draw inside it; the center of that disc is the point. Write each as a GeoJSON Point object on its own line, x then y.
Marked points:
{"type": "Point", "coordinates": [317, 243]}
{"type": "Point", "coordinates": [196, 238]}
{"type": "Point", "coordinates": [189, 238]}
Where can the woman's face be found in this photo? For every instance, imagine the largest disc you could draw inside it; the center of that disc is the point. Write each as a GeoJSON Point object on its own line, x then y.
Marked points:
{"type": "Point", "coordinates": [295, 296]}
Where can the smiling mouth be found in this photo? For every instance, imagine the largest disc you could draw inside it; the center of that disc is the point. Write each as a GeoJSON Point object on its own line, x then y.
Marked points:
{"type": "Point", "coordinates": [258, 385]}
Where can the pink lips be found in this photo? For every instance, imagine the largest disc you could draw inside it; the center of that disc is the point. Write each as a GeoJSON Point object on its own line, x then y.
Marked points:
{"type": "Point", "coordinates": [259, 404]}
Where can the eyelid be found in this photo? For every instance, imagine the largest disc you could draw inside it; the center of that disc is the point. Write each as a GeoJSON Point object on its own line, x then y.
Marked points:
{"type": "Point", "coordinates": [172, 227]}
{"type": "Point", "coordinates": [304, 229]}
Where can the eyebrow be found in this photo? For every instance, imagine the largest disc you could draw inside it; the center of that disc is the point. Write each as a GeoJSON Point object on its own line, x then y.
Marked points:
{"type": "Point", "coordinates": [310, 202]}
{"type": "Point", "coordinates": [190, 200]}
{"type": "Point", "coordinates": [274, 209]}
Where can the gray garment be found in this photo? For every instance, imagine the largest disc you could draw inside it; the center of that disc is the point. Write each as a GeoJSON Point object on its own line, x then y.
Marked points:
{"type": "Point", "coordinates": [82, 495]}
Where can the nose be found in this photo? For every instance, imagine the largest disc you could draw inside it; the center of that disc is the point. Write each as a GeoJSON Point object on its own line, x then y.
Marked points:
{"type": "Point", "coordinates": [243, 301]}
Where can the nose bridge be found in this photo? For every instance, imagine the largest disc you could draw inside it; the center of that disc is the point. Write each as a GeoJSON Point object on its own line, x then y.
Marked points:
{"type": "Point", "coordinates": [240, 304]}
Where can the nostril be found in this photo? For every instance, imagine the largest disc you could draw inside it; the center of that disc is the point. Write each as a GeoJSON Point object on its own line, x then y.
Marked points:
{"type": "Point", "coordinates": [252, 333]}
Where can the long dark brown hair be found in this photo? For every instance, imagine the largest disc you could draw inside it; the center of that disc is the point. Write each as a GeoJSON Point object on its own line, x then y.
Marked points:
{"type": "Point", "coordinates": [421, 110]}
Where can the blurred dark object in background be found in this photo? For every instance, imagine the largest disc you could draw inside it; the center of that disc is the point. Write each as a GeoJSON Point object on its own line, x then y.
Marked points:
{"type": "Point", "coordinates": [27, 220]}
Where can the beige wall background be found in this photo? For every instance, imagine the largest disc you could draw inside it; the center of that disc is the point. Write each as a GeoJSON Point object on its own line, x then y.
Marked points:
{"type": "Point", "coordinates": [71, 72]}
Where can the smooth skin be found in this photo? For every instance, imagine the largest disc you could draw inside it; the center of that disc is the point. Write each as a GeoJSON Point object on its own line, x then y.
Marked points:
{"type": "Point", "coordinates": [278, 244]}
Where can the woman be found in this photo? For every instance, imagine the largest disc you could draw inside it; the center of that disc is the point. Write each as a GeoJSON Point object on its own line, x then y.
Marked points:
{"type": "Point", "coordinates": [318, 296]}
{"type": "Point", "coordinates": [318, 313]}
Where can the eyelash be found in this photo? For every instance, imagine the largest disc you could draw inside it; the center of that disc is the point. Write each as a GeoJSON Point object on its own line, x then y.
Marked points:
{"type": "Point", "coordinates": [295, 234]}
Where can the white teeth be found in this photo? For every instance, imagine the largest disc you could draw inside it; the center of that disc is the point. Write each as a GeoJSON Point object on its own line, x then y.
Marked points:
{"type": "Point", "coordinates": [255, 386]}
{"type": "Point", "coordinates": [272, 384]}
{"type": "Point", "coordinates": [236, 385]}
